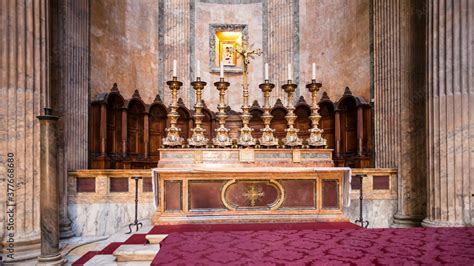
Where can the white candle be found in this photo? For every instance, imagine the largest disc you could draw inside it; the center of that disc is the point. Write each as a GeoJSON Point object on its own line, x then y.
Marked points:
{"type": "Point", "coordinates": [198, 69]}
{"type": "Point", "coordinates": [266, 71]}
{"type": "Point", "coordinates": [222, 70]}
{"type": "Point", "coordinates": [174, 69]}
{"type": "Point", "coordinates": [313, 76]}
{"type": "Point", "coordinates": [290, 72]}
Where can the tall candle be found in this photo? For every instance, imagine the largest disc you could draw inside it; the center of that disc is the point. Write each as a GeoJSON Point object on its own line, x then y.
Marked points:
{"type": "Point", "coordinates": [266, 71]}
{"type": "Point", "coordinates": [174, 69]}
{"type": "Point", "coordinates": [222, 70]}
{"type": "Point", "coordinates": [198, 69]}
{"type": "Point", "coordinates": [290, 72]}
{"type": "Point", "coordinates": [313, 76]}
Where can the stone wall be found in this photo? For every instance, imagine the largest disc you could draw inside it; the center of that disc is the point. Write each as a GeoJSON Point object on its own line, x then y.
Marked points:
{"type": "Point", "coordinates": [134, 44]}
{"type": "Point", "coordinates": [124, 47]}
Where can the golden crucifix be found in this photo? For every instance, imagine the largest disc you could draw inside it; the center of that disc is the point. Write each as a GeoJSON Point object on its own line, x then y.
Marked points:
{"type": "Point", "coordinates": [253, 194]}
{"type": "Point", "coordinates": [246, 53]}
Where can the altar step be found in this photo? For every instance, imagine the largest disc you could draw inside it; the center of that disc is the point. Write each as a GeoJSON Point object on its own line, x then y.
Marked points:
{"type": "Point", "coordinates": [131, 254]}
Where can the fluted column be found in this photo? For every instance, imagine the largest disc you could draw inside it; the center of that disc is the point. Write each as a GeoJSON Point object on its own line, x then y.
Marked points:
{"type": "Point", "coordinates": [282, 45]}
{"type": "Point", "coordinates": [23, 82]}
{"type": "Point", "coordinates": [450, 113]}
{"type": "Point", "coordinates": [71, 81]}
{"type": "Point", "coordinates": [399, 100]}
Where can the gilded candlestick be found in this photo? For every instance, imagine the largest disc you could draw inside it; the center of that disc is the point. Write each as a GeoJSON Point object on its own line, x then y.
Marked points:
{"type": "Point", "coordinates": [222, 138]}
{"type": "Point", "coordinates": [315, 139]}
{"type": "Point", "coordinates": [198, 139]}
{"type": "Point", "coordinates": [267, 138]}
{"type": "Point", "coordinates": [291, 139]}
{"type": "Point", "coordinates": [172, 138]}
{"type": "Point", "coordinates": [245, 138]}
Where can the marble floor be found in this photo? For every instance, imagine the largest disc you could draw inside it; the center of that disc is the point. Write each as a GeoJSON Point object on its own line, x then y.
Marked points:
{"type": "Point", "coordinates": [75, 247]}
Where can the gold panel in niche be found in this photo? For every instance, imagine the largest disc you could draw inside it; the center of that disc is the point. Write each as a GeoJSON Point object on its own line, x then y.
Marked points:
{"type": "Point", "coordinates": [226, 43]}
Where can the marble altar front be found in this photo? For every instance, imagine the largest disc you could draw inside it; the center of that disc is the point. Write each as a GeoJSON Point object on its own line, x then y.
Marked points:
{"type": "Point", "coordinates": [249, 185]}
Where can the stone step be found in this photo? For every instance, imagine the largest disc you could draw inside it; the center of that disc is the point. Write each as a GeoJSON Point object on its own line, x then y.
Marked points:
{"type": "Point", "coordinates": [109, 260]}
{"type": "Point", "coordinates": [155, 239]}
{"type": "Point", "coordinates": [136, 252]}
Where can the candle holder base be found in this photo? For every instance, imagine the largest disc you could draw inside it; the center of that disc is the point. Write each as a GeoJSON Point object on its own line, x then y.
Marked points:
{"type": "Point", "coordinates": [315, 139]}
{"type": "Point", "coordinates": [291, 139]}
{"type": "Point", "coordinates": [198, 139]}
{"type": "Point", "coordinates": [267, 139]}
{"type": "Point", "coordinates": [172, 138]}
{"type": "Point", "coordinates": [245, 138]}
{"type": "Point", "coordinates": [222, 138]}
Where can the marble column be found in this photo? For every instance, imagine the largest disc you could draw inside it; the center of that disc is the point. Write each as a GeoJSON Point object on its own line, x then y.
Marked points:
{"type": "Point", "coordinates": [23, 82]}
{"type": "Point", "coordinates": [176, 43]}
{"type": "Point", "coordinates": [281, 44]}
{"type": "Point", "coordinates": [450, 113]}
{"type": "Point", "coordinates": [399, 102]}
{"type": "Point", "coordinates": [49, 199]}
{"type": "Point", "coordinates": [70, 53]}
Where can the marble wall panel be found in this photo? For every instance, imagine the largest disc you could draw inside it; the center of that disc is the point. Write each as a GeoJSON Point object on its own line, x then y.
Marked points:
{"type": "Point", "coordinates": [212, 13]}
{"type": "Point", "coordinates": [335, 35]}
{"type": "Point", "coordinates": [98, 219]}
{"type": "Point", "coordinates": [124, 47]}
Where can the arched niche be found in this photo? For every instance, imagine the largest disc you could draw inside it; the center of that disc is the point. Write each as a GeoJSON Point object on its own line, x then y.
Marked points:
{"type": "Point", "coordinates": [135, 127]}
{"type": "Point", "coordinates": [157, 116]}
{"type": "Point", "coordinates": [302, 122]}
{"type": "Point", "coordinates": [279, 122]}
{"type": "Point", "coordinates": [208, 121]}
{"type": "Point", "coordinates": [327, 121]}
{"type": "Point", "coordinates": [256, 122]}
{"type": "Point", "coordinates": [115, 111]}
{"type": "Point", "coordinates": [184, 120]}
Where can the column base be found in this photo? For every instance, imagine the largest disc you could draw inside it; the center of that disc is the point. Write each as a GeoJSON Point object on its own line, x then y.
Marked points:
{"type": "Point", "coordinates": [65, 230]}
{"type": "Point", "coordinates": [406, 221]}
{"type": "Point", "coordinates": [51, 260]}
{"type": "Point", "coordinates": [24, 250]}
{"type": "Point", "coordinates": [433, 223]}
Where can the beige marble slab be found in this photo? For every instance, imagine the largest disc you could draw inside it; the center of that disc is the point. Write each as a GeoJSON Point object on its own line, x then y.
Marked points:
{"type": "Point", "coordinates": [136, 252]}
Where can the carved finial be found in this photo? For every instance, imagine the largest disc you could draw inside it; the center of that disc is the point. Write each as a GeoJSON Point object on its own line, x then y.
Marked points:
{"type": "Point", "coordinates": [136, 95]}
{"type": "Point", "coordinates": [347, 91]}
{"type": "Point", "coordinates": [180, 101]}
{"type": "Point", "coordinates": [157, 99]}
{"type": "Point", "coordinates": [325, 96]}
{"type": "Point", "coordinates": [278, 103]}
{"type": "Point", "coordinates": [301, 100]}
{"type": "Point", "coordinates": [114, 87]}
{"type": "Point", "coordinates": [255, 104]}
{"type": "Point", "coordinates": [227, 109]}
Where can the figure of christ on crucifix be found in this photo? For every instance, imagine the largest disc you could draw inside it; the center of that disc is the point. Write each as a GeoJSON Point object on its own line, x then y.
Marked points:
{"type": "Point", "coordinates": [245, 138]}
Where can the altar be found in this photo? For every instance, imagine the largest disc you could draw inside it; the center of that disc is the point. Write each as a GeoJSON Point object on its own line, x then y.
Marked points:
{"type": "Point", "coordinates": [248, 185]}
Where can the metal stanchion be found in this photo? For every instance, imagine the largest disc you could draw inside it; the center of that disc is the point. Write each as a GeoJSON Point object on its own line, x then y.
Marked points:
{"type": "Point", "coordinates": [136, 223]}
{"type": "Point", "coordinates": [363, 223]}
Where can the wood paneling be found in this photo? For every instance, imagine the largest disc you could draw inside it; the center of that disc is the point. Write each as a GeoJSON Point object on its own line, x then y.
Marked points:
{"type": "Point", "coordinates": [133, 131]}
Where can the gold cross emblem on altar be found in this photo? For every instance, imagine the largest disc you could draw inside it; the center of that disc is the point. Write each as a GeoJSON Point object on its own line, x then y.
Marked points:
{"type": "Point", "coordinates": [246, 53]}
{"type": "Point", "coordinates": [253, 194]}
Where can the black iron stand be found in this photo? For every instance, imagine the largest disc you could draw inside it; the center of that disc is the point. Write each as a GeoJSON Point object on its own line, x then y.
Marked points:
{"type": "Point", "coordinates": [136, 223]}
{"type": "Point", "coordinates": [363, 223]}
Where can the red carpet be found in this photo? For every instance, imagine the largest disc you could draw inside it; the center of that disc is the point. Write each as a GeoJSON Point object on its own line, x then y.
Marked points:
{"type": "Point", "coordinates": [305, 243]}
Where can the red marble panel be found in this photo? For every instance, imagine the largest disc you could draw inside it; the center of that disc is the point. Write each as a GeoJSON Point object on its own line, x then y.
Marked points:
{"type": "Point", "coordinates": [299, 193]}
{"type": "Point", "coordinates": [205, 195]}
{"type": "Point", "coordinates": [85, 184]}
{"type": "Point", "coordinates": [173, 195]}
{"type": "Point", "coordinates": [381, 182]}
{"type": "Point", "coordinates": [355, 182]}
{"type": "Point", "coordinates": [119, 184]}
{"type": "Point", "coordinates": [239, 194]}
{"type": "Point", "coordinates": [147, 184]}
{"type": "Point", "coordinates": [330, 194]}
